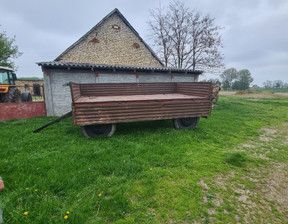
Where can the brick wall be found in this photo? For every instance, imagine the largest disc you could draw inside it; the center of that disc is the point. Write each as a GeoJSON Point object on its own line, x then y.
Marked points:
{"type": "Point", "coordinates": [21, 110]}
{"type": "Point", "coordinates": [113, 42]}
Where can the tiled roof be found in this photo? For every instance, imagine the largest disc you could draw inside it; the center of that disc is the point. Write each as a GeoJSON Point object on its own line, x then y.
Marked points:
{"type": "Point", "coordinates": [73, 65]}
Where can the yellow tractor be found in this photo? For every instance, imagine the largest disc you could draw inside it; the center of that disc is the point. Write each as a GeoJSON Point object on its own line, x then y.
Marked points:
{"type": "Point", "coordinates": [8, 90]}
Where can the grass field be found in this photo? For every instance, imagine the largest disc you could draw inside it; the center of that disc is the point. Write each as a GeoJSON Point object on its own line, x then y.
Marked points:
{"type": "Point", "coordinates": [275, 90]}
{"type": "Point", "coordinates": [231, 168]}
{"type": "Point", "coordinates": [37, 98]}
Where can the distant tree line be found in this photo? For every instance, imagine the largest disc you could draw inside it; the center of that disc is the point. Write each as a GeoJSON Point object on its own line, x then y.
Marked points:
{"type": "Point", "coordinates": [30, 78]}
{"type": "Point", "coordinates": [214, 81]}
{"type": "Point", "coordinates": [241, 80]}
{"type": "Point", "coordinates": [275, 84]}
{"type": "Point", "coordinates": [234, 80]}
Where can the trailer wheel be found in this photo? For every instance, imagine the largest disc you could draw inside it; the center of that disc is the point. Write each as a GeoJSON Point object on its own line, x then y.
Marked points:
{"type": "Point", "coordinates": [188, 122]}
{"type": "Point", "coordinates": [99, 130]}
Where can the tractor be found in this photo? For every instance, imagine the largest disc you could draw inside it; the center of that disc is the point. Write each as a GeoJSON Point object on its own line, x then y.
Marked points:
{"type": "Point", "coordinates": [8, 90]}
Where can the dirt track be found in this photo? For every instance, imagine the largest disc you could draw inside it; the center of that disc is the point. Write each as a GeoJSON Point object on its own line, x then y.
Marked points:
{"type": "Point", "coordinates": [282, 94]}
{"type": "Point", "coordinates": [227, 93]}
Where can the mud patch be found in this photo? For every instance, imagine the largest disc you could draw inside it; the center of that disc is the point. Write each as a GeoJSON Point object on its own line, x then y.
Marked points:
{"type": "Point", "coordinates": [269, 194]}
{"type": "Point", "coordinates": [255, 95]}
{"type": "Point", "coordinates": [226, 93]}
{"type": "Point", "coordinates": [260, 194]}
{"type": "Point", "coordinates": [282, 94]}
{"type": "Point", "coordinates": [268, 134]}
{"type": "Point", "coordinates": [264, 138]}
{"type": "Point", "coordinates": [268, 131]}
{"type": "Point", "coordinates": [203, 185]}
{"type": "Point", "coordinates": [275, 186]}
{"type": "Point", "coordinates": [254, 99]}
{"type": "Point", "coordinates": [249, 146]}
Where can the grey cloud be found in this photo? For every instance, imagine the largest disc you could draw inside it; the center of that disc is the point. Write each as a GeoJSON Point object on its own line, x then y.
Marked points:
{"type": "Point", "coordinates": [255, 35]}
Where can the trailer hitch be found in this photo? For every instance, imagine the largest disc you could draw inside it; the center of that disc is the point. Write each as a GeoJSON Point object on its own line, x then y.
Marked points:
{"type": "Point", "coordinates": [69, 114]}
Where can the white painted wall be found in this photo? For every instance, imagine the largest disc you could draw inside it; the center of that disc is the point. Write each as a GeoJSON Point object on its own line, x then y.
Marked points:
{"type": "Point", "coordinates": [57, 91]}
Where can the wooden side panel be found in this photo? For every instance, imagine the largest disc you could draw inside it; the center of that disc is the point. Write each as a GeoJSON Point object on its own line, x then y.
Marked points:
{"type": "Point", "coordinates": [203, 89]}
{"type": "Point", "coordinates": [75, 91]}
{"type": "Point", "coordinates": [86, 114]}
{"type": "Point", "coordinates": [92, 112]}
{"type": "Point", "coordinates": [122, 89]}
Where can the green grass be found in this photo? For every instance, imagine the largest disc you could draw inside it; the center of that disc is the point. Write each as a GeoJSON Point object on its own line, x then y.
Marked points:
{"type": "Point", "coordinates": [146, 173]}
{"type": "Point", "coordinates": [276, 90]}
{"type": "Point", "coordinates": [37, 98]}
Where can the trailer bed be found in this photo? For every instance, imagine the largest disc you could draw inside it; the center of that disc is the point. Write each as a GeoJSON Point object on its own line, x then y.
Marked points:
{"type": "Point", "coordinates": [127, 102]}
{"type": "Point", "coordinates": [126, 98]}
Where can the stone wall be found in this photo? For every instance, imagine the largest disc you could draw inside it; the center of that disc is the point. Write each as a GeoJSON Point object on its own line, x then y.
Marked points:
{"type": "Point", "coordinates": [31, 86]}
{"type": "Point", "coordinates": [113, 42]}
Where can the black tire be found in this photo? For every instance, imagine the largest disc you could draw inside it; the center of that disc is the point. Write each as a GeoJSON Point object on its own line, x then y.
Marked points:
{"type": "Point", "coordinates": [99, 130]}
{"type": "Point", "coordinates": [188, 122]}
{"type": "Point", "coordinates": [12, 96]}
{"type": "Point", "coordinates": [26, 97]}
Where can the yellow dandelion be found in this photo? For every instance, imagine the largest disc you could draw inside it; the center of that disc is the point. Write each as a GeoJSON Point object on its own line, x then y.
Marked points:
{"type": "Point", "coordinates": [99, 195]}
{"type": "Point", "coordinates": [25, 213]}
{"type": "Point", "coordinates": [36, 189]}
{"type": "Point", "coordinates": [66, 217]}
{"type": "Point", "coordinates": [150, 169]}
{"type": "Point", "coordinates": [67, 212]}
{"type": "Point", "coordinates": [26, 188]}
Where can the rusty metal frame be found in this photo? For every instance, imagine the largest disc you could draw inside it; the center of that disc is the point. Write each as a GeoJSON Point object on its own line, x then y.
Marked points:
{"type": "Point", "coordinates": [199, 103]}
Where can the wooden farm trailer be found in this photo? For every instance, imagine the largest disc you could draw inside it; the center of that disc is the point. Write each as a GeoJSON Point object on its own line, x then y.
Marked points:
{"type": "Point", "coordinates": [98, 107]}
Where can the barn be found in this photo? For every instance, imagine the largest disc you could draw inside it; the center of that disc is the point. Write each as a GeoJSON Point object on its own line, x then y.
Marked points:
{"type": "Point", "coordinates": [111, 52]}
{"type": "Point", "coordinates": [34, 86]}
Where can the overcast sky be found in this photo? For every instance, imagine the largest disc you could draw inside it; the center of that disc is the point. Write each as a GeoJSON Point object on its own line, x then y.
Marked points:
{"type": "Point", "coordinates": [255, 35]}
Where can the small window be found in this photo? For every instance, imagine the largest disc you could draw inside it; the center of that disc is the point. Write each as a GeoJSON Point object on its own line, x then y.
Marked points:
{"type": "Point", "coordinates": [4, 77]}
{"type": "Point", "coordinates": [36, 90]}
{"type": "Point", "coordinates": [11, 79]}
{"type": "Point", "coordinates": [116, 27]}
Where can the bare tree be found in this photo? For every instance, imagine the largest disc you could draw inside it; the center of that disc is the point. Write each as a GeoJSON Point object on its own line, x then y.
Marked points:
{"type": "Point", "coordinates": [160, 34]}
{"type": "Point", "coordinates": [186, 39]}
{"type": "Point", "coordinates": [278, 84]}
{"type": "Point", "coordinates": [268, 84]}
